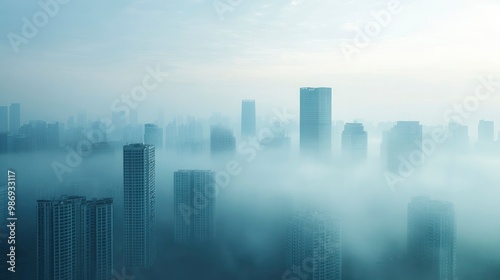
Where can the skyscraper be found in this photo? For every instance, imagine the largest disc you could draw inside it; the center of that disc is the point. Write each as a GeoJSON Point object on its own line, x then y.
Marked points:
{"type": "Point", "coordinates": [140, 205]}
{"type": "Point", "coordinates": [15, 117]}
{"type": "Point", "coordinates": [75, 238]}
{"type": "Point", "coordinates": [248, 118]}
{"type": "Point", "coordinates": [402, 140]}
{"type": "Point", "coordinates": [486, 132]}
{"type": "Point", "coordinates": [432, 239]}
{"type": "Point", "coordinates": [4, 119]}
{"type": "Point", "coordinates": [354, 142]}
{"type": "Point", "coordinates": [314, 247]}
{"type": "Point", "coordinates": [153, 135]}
{"type": "Point", "coordinates": [194, 205]}
{"type": "Point", "coordinates": [222, 141]}
{"type": "Point", "coordinates": [316, 121]}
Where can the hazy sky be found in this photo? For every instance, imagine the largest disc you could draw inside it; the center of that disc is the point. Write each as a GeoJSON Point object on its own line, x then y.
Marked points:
{"type": "Point", "coordinates": [426, 58]}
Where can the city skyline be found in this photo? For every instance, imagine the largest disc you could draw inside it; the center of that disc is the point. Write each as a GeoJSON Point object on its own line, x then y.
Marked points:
{"type": "Point", "coordinates": [237, 140]}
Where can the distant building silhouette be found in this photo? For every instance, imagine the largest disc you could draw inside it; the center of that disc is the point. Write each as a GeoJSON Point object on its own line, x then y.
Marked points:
{"type": "Point", "coordinates": [4, 119]}
{"type": "Point", "coordinates": [354, 142]}
{"type": "Point", "coordinates": [486, 132]}
{"type": "Point", "coordinates": [248, 128]}
{"type": "Point", "coordinates": [140, 205]}
{"type": "Point", "coordinates": [194, 205]}
{"type": "Point", "coordinates": [75, 238]}
{"type": "Point", "coordinates": [316, 121]}
{"type": "Point", "coordinates": [14, 117]}
{"type": "Point", "coordinates": [222, 141]}
{"type": "Point", "coordinates": [314, 247]}
{"type": "Point", "coordinates": [432, 238]}
{"type": "Point", "coordinates": [153, 135]}
{"type": "Point", "coordinates": [402, 140]}
{"type": "Point", "coordinates": [189, 137]}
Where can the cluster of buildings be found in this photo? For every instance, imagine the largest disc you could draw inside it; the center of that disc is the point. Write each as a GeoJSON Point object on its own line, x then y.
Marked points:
{"type": "Point", "coordinates": [75, 235]}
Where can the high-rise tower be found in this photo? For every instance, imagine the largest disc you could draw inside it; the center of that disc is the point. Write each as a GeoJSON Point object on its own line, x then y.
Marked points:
{"type": "Point", "coordinates": [316, 121]}
{"type": "Point", "coordinates": [194, 205]}
{"type": "Point", "coordinates": [432, 238]}
{"type": "Point", "coordinates": [140, 205]}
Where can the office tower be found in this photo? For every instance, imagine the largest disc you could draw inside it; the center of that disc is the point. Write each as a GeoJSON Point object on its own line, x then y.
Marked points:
{"type": "Point", "coordinates": [222, 141]}
{"type": "Point", "coordinates": [485, 132]}
{"type": "Point", "coordinates": [75, 238]}
{"type": "Point", "coordinates": [4, 119]}
{"type": "Point", "coordinates": [153, 135]}
{"type": "Point", "coordinates": [314, 247]}
{"type": "Point", "coordinates": [316, 121]}
{"type": "Point", "coordinates": [140, 205]}
{"type": "Point", "coordinates": [432, 238]}
{"type": "Point", "coordinates": [354, 142]}
{"type": "Point", "coordinates": [15, 117]}
{"type": "Point", "coordinates": [194, 205]}
{"type": "Point", "coordinates": [403, 139]}
{"type": "Point", "coordinates": [248, 118]}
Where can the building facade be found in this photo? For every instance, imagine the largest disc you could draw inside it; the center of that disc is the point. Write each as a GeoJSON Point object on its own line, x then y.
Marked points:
{"type": "Point", "coordinates": [316, 121]}
{"type": "Point", "coordinates": [432, 243]}
{"type": "Point", "coordinates": [194, 205]}
{"type": "Point", "coordinates": [354, 142]}
{"type": "Point", "coordinates": [248, 127]}
{"type": "Point", "coordinates": [314, 247]}
{"type": "Point", "coordinates": [74, 238]}
{"type": "Point", "coordinates": [140, 205]}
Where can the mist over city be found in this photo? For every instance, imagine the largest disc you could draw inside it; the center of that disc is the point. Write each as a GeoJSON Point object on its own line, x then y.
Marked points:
{"type": "Point", "coordinates": [218, 139]}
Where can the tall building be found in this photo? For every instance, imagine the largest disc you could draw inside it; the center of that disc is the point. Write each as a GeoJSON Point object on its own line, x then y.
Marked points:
{"type": "Point", "coordinates": [4, 119]}
{"type": "Point", "coordinates": [140, 205]}
{"type": "Point", "coordinates": [402, 140]}
{"type": "Point", "coordinates": [314, 247]}
{"type": "Point", "coordinates": [75, 238]}
{"type": "Point", "coordinates": [194, 205]}
{"type": "Point", "coordinates": [222, 141]}
{"type": "Point", "coordinates": [15, 117]}
{"type": "Point", "coordinates": [248, 128]}
{"type": "Point", "coordinates": [354, 142]}
{"type": "Point", "coordinates": [432, 239]}
{"type": "Point", "coordinates": [153, 135]}
{"type": "Point", "coordinates": [485, 132]}
{"type": "Point", "coordinates": [316, 121]}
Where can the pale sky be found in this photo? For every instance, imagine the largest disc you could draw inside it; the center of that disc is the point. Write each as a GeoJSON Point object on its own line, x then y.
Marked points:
{"type": "Point", "coordinates": [427, 57]}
